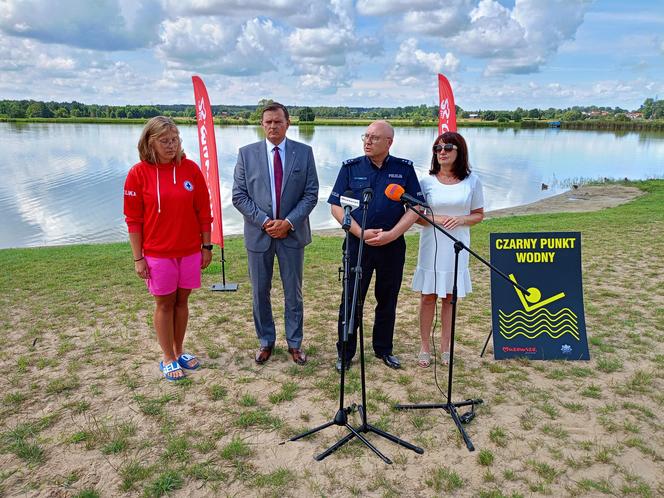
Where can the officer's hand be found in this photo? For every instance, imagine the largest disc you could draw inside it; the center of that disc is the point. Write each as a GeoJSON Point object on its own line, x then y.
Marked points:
{"type": "Point", "coordinates": [370, 233]}
{"type": "Point", "coordinates": [380, 239]}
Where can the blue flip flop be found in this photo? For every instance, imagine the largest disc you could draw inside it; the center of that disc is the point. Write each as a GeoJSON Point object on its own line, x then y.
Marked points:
{"type": "Point", "coordinates": [168, 370]}
{"type": "Point", "coordinates": [184, 360]}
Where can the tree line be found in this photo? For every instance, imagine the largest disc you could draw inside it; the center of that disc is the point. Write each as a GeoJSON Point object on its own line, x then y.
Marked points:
{"type": "Point", "coordinates": [31, 109]}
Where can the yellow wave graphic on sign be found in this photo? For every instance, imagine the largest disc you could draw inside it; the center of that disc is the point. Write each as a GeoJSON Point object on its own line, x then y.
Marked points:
{"type": "Point", "coordinates": [537, 323]}
{"type": "Point", "coordinates": [519, 314]}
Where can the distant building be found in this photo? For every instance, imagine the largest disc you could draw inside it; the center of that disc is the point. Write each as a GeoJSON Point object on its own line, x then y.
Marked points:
{"type": "Point", "coordinates": [634, 115]}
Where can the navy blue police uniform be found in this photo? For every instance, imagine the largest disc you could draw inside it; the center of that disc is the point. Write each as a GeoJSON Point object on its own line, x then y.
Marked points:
{"type": "Point", "coordinates": [386, 261]}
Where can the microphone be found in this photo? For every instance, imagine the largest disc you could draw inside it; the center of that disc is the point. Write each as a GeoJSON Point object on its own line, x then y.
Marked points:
{"type": "Point", "coordinates": [367, 195]}
{"type": "Point", "coordinates": [395, 192]}
{"type": "Point", "coordinates": [348, 203]}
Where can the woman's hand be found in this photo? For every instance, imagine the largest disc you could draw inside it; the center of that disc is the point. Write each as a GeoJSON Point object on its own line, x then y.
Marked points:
{"type": "Point", "coordinates": [141, 267]}
{"type": "Point", "coordinates": [449, 222]}
{"type": "Point", "coordinates": [206, 258]}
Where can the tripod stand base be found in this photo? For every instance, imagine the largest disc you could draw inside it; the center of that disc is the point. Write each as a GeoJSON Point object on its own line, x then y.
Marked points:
{"type": "Point", "coordinates": [451, 408]}
{"type": "Point", "coordinates": [358, 432]}
{"type": "Point", "coordinates": [224, 287]}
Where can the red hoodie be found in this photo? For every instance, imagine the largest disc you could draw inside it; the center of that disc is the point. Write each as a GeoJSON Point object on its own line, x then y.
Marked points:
{"type": "Point", "coordinates": [170, 205]}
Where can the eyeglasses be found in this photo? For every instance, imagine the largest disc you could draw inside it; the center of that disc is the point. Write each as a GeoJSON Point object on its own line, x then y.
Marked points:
{"type": "Point", "coordinates": [371, 138]}
{"type": "Point", "coordinates": [168, 141]}
{"type": "Point", "coordinates": [445, 147]}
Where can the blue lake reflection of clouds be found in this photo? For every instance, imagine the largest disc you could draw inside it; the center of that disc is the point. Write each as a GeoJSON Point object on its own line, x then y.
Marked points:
{"type": "Point", "coordinates": [63, 182]}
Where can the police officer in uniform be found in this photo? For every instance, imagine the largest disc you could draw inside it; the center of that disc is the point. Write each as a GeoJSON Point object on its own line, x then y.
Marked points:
{"type": "Point", "coordinates": [385, 247]}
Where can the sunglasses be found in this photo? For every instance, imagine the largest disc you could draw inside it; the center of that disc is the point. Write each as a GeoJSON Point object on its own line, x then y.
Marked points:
{"type": "Point", "coordinates": [445, 147]}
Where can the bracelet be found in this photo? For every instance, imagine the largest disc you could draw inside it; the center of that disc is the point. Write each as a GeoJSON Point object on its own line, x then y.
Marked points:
{"type": "Point", "coordinates": [137, 260]}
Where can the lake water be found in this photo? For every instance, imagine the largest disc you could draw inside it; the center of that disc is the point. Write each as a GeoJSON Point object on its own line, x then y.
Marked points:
{"type": "Point", "coordinates": [62, 183]}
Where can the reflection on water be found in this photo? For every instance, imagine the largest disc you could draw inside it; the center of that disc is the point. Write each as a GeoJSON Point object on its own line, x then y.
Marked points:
{"type": "Point", "coordinates": [63, 182]}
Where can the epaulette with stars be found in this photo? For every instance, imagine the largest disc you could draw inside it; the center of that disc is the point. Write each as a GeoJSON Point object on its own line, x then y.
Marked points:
{"type": "Point", "coordinates": [405, 162]}
{"type": "Point", "coordinates": [350, 162]}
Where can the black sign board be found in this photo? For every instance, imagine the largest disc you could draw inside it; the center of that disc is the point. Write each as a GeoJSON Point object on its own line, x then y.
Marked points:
{"type": "Point", "coordinates": [547, 323]}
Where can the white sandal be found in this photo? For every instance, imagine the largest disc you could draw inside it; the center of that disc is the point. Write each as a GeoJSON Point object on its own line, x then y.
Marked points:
{"type": "Point", "coordinates": [424, 359]}
{"type": "Point", "coordinates": [445, 357]}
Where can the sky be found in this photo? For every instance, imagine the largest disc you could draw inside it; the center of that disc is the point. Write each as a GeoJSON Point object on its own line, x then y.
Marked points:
{"type": "Point", "coordinates": [497, 54]}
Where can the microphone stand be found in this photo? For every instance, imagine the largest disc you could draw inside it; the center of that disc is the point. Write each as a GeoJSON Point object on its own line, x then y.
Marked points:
{"type": "Point", "coordinates": [449, 406]}
{"type": "Point", "coordinates": [341, 417]}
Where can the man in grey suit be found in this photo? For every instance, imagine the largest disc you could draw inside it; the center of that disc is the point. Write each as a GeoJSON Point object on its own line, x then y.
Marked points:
{"type": "Point", "coordinates": [275, 188]}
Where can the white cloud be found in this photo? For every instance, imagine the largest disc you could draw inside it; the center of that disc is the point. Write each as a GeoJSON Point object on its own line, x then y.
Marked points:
{"type": "Point", "coordinates": [205, 44]}
{"type": "Point", "coordinates": [364, 52]}
{"type": "Point", "coordinates": [101, 25]}
{"type": "Point", "coordinates": [412, 63]}
{"type": "Point", "coordinates": [545, 26]}
{"type": "Point", "coordinates": [519, 40]}
{"type": "Point", "coordinates": [388, 7]}
{"type": "Point", "coordinates": [55, 63]}
{"type": "Point", "coordinates": [294, 12]}
{"type": "Point", "coordinates": [321, 46]}
{"type": "Point", "coordinates": [492, 32]}
{"type": "Point", "coordinates": [326, 79]}
{"type": "Point", "coordinates": [444, 22]}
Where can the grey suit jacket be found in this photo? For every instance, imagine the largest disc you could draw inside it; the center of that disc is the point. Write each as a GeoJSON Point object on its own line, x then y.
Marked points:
{"type": "Point", "coordinates": [252, 193]}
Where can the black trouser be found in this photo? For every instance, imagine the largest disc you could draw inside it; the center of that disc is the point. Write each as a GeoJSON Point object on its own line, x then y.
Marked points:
{"type": "Point", "coordinates": [387, 261]}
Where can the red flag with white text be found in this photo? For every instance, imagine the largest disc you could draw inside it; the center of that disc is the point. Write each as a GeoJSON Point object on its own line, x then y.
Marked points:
{"type": "Point", "coordinates": [446, 107]}
{"type": "Point", "coordinates": [208, 148]}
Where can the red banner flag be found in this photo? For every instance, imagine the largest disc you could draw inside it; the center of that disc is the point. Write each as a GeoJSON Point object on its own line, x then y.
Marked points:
{"type": "Point", "coordinates": [208, 148]}
{"type": "Point", "coordinates": [446, 107]}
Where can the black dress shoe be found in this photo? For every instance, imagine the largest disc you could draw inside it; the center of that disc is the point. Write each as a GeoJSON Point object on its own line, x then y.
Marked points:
{"type": "Point", "coordinates": [390, 360]}
{"type": "Point", "coordinates": [338, 365]}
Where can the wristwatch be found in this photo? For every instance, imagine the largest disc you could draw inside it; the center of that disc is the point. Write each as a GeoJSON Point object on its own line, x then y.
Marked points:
{"type": "Point", "coordinates": [209, 247]}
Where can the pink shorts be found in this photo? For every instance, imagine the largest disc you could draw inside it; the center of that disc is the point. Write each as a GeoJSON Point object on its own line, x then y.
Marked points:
{"type": "Point", "coordinates": [169, 274]}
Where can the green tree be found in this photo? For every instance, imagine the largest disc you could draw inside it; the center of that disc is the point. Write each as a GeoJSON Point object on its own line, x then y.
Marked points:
{"type": "Point", "coordinates": [572, 115]}
{"type": "Point", "coordinates": [534, 113]}
{"type": "Point", "coordinates": [306, 115]}
{"type": "Point", "coordinates": [518, 114]}
{"type": "Point", "coordinates": [38, 110]}
{"type": "Point", "coordinates": [15, 110]}
{"type": "Point", "coordinates": [258, 113]}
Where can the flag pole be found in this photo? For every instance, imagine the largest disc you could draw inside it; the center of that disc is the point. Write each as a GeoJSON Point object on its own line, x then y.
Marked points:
{"type": "Point", "coordinates": [209, 165]}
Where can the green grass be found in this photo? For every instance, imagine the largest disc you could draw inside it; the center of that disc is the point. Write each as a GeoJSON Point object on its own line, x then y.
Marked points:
{"type": "Point", "coordinates": [132, 473]}
{"type": "Point", "coordinates": [444, 479]}
{"type": "Point", "coordinates": [88, 493]}
{"type": "Point", "coordinates": [287, 393]}
{"type": "Point", "coordinates": [21, 440]}
{"type": "Point", "coordinates": [543, 424]}
{"type": "Point", "coordinates": [498, 436]}
{"type": "Point", "coordinates": [217, 392]}
{"type": "Point", "coordinates": [235, 449]}
{"type": "Point", "coordinates": [164, 483]}
{"type": "Point", "coordinates": [485, 457]}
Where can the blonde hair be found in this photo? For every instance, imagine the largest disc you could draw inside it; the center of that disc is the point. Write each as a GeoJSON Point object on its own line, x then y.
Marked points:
{"type": "Point", "coordinates": [155, 128]}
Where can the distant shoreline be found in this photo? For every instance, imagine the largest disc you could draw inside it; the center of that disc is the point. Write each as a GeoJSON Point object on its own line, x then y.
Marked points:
{"type": "Point", "coordinates": [585, 198]}
{"type": "Point", "coordinates": [590, 125]}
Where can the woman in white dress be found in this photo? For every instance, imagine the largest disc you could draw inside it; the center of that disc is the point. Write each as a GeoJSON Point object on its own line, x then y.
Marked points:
{"type": "Point", "coordinates": [456, 200]}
